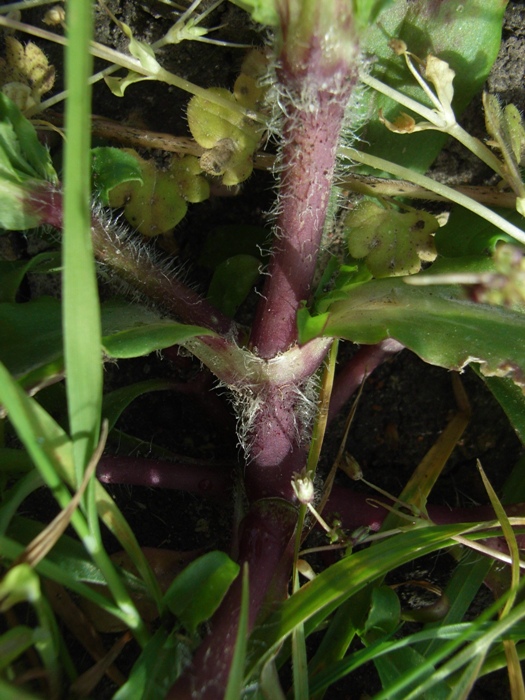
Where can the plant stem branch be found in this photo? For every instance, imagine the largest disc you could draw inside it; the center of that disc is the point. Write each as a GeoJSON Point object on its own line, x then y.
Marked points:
{"type": "Point", "coordinates": [427, 182]}
{"type": "Point", "coordinates": [310, 146]}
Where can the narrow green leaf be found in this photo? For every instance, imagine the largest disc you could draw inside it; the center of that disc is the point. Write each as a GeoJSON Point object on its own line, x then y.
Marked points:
{"type": "Point", "coordinates": [269, 681]}
{"type": "Point", "coordinates": [463, 586]}
{"type": "Point", "coordinates": [16, 495]}
{"type": "Point", "coordinates": [463, 687]}
{"type": "Point", "coordinates": [317, 599]}
{"type": "Point", "coordinates": [46, 442]}
{"type": "Point", "coordinates": [12, 549]}
{"type": "Point", "coordinates": [510, 539]}
{"type": "Point", "coordinates": [156, 669]}
{"type": "Point", "coordinates": [235, 677]}
{"type": "Point", "coordinates": [81, 314]}
{"type": "Point", "coordinates": [398, 664]}
{"type": "Point", "coordinates": [14, 642]}
{"type": "Point", "coordinates": [299, 657]}
{"type": "Point", "coordinates": [382, 621]}
{"type": "Point", "coordinates": [472, 651]}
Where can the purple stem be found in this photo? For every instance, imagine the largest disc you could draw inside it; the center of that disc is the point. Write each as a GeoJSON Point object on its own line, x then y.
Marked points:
{"type": "Point", "coordinates": [134, 266]}
{"type": "Point", "coordinates": [266, 546]}
{"type": "Point", "coordinates": [355, 510]}
{"type": "Point", "coordinates": [310, 140]}
{"type": "Point", "coordinates": [277, 450]}
{"type": "Point", "coordinates": [317, 71]}
{"type": "Point", "coordinates": [143, 274]}
{"type": "Point", "coordinates": [201, 478]}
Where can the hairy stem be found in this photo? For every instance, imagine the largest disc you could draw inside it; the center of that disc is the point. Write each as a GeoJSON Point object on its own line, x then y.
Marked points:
{"type": "Point", "coordinates": [142, 272]}
{"type": "Point", "coordinates": [133, 264]}
{"type": "Point", "coordinates": [317, 72]}
{"type": "Point", "coordinates": [309, 153]}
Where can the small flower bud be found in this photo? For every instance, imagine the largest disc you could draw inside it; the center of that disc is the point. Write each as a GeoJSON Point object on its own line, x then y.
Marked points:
{"type": "Point", "coordinates": [303, 487]}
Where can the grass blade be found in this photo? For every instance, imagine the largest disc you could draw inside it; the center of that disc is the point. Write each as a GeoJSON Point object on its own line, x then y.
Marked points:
{"type": "Point", "coordinates": [81, 313]}
{"type": "Point", "coordinates": [235, 679]}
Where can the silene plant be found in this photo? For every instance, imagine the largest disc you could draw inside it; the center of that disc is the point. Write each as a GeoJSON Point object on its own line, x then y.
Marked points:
{"type": "Point", "coordinates": [348, 103]}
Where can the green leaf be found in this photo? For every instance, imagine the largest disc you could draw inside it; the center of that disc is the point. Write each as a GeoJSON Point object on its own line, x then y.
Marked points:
{"type": "Point", "coordinates": [57, 573]}
{"type": "Point", "coordinates": [465, 233]}
{"type": "Point", "coordinates": [383, 619]}
{"type": "Point", "coordinates": [31, 341]}
{"type": "Point", "coordinates": [232, 282]}
{"type": "Point", "coordinates": [155, 202]}
{"type": "Point", "coordinates": [366, 11]}
{"type": "Point", "coordinates": [19, 585]}
{"type": "Point", "coordinates": [141, 50]}
{"type": "Point", "coordinates": [385, 613]}
{"type": "Point", "coordinates": [230, 138]}
{"type": "Point", "coordinates": [22, 156]}
{"type": "Point", "coordinates": [508, 135]}
{"type": "Point", "coordinates": [45, 441]}
{"type": "Point", "coordinates": [392, 242]}
{"type": "Point", "coordinates": [224, 242]}
{"type": "Point", "coordinates": [13, 272]}
{"type": "Point", "coordinates": [118, 86]}
{"type": "Point", "coordinates": [31, 338]}
{"type": "Point", "coordinates": [427, 28]}
{"type": "Point", "coordinates": [435, 323]}
{"type": "Point", "coordinates": [130, 330]}
{"type": "Point", "coordinates": [14, 643]}
{"type": "Point", "coordinates": [13, 460]}
{"type": "Point", "coordinates": [111, 167]}
{"type": "Point", "coordinates": [157, 667]}
{"type": "Point", "coordinates": [310, 327]}
{"type": "Point", "coordinates": [198, 590]}
{"type": "Point", "coordinates": [135, 342]}
{"type": "Point", "coordinates": [262, 11]}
